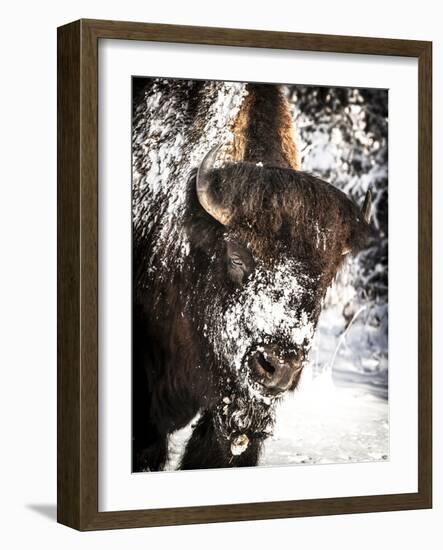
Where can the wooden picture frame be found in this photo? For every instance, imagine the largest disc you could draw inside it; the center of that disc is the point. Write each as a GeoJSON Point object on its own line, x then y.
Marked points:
{"type": "Point", "coordinates": [77, 456]}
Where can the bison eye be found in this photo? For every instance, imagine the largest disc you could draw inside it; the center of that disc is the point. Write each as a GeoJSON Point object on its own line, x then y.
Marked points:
{"type": "Point", "coordinates": [239, 262]}
{"type": "Point", "coordinates": [236, 262]}
{"type": "Point", "coordinates": [237, 269]}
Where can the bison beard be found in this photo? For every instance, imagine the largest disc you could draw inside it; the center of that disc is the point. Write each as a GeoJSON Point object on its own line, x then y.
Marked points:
{"type": "Point", "coordinates": [226, 300]}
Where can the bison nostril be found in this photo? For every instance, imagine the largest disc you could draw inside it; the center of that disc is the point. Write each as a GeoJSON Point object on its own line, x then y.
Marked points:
{"type": "Point", "coordinates": [265, 365]}
{"type": "Point", "coordinates": [272, 372]}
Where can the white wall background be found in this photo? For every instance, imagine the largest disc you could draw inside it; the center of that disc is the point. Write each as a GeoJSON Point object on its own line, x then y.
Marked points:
{"type": "Point", "coordinates": [28, 271]}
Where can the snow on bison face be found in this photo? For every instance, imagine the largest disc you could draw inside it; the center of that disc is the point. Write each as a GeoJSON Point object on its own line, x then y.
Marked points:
{"type": "Point", "coordinates": [265, 328]}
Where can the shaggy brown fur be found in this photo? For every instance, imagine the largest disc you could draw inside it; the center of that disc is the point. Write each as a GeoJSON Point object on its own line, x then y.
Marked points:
{"type": "Point", "coordinates": [265, 112]}
{"type": "Point", "coordinates": [293, 208]}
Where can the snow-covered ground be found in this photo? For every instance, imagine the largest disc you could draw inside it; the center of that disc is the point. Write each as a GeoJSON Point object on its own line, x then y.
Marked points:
{"type": "Point", "coordinates": [325, 423]}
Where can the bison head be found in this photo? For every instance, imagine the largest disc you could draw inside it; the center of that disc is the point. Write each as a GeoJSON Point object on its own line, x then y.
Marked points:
{"type": "Point", "coordinates": [267, 243]}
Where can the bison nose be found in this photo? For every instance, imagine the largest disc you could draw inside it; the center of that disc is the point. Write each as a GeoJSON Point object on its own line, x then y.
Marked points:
{"type": "Point", "coordinates": [275, 371]}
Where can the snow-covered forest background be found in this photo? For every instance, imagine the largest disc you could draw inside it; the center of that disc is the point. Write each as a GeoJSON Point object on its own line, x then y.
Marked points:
{"type": "Point", "coordinates": [339, 413]}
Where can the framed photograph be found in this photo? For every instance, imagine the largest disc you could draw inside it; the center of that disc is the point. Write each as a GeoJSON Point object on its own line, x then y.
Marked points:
{"type": "Point", "coordinates": [244, 275]}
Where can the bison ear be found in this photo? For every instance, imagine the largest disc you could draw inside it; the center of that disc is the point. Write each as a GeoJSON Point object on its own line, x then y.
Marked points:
{"type": "Point", "coordinates": [362, 230]}
{"type": "Point", "coordinates": [367, 206]}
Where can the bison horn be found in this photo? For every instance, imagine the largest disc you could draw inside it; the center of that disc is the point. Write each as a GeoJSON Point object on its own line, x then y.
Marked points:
{"type": "Point", "coordinates": [367, 205]}
{"type": "Point", "coordinates": [203, 184]}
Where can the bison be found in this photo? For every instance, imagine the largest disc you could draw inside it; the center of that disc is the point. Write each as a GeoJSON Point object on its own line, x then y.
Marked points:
{"type": "Point", "coordinates": [234, 249]}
